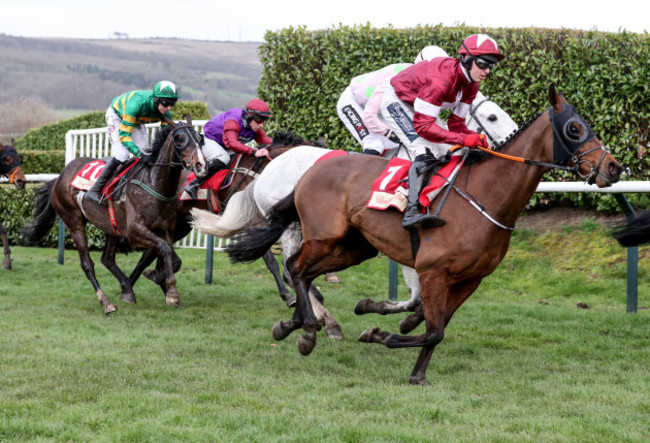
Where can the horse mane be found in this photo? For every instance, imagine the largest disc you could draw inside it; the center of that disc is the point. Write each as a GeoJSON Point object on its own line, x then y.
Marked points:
{"type": "Point", "coordinates": [160, 138]}
{"type": "Point", "coordinates": [283, 138]}
{"type": "Point", "coordinates": [519, 130]}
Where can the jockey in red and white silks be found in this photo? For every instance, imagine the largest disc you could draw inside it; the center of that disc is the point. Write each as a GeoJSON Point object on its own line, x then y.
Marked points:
{"type": "Point", "coordinates": [412, 104]}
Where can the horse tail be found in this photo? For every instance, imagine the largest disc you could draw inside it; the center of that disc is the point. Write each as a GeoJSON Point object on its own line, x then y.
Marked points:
{"type": "Point", "coordinates": [256, 241]}
{"type": "Point", "coordinates": [241, 212]}
{"type": "Point", "coordinates": [44, 216]}
{"type": "Point", "coordinates": [635, 232]}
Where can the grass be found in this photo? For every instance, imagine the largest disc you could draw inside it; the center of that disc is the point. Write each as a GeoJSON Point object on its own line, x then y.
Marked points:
{"type": "Point", "coordinates": [520, 361]}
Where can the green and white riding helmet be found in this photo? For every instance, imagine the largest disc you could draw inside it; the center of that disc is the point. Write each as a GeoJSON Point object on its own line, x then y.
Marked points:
{"type": "Point", "coordinates": [166, 92]}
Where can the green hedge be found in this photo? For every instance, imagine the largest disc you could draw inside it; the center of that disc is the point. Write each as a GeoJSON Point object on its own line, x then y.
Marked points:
{"type": "Point", "coordinates": [604, 75]}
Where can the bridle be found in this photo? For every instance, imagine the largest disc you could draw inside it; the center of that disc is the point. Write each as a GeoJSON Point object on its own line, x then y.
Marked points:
{"type": "Point", "coordinates": [566, 145]}
{"type": "Point", "coordinates": [472, 114]}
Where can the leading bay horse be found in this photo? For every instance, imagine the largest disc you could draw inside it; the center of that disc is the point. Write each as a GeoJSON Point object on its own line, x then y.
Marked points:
{"type": "Point", "coordinates": [340, 231]}
{"type": "Point", "coordinates": [144, 214]}
{"type": "Point", "coordinates": [243, 171]}
{"type": "Point", "coordinates": [10, 167]}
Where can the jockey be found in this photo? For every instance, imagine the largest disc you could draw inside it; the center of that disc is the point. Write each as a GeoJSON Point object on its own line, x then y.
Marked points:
{"type": "Point", "coordinates": [225, 135]}
{"type": "Point", "coordinates": [126, 117]}
{"type": "Point", "coordinates": [359, 106]}
{"type": "Point", "coordinates": [419, 93]}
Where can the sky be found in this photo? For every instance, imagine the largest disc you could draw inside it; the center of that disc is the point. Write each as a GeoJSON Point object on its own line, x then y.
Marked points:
{"type": "Point", "coordinates": [248, 20]}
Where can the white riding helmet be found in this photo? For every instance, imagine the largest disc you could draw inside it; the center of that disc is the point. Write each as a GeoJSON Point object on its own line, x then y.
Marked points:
{"type": "Point", "coordinates": [429, 53]}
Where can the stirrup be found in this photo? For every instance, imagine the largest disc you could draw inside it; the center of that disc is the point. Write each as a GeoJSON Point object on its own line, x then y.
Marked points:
{"type": "Point", "coordinates": [95, 198]}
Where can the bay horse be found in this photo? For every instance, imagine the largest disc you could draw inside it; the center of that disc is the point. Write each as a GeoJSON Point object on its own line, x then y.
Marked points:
{"type": "Point", "coordinates": [144, 213]}
{"type": "Point", "coordinates": [279, 179]}
{"type": "Point", "coordinates": [340, 231]}
{"type": "Point", "coordinates": [243, 171]}
{"type": "Point", "coordinates": [10, 167]}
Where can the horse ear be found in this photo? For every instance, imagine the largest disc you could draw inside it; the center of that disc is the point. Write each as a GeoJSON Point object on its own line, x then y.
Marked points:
{"type": "Point", "coordinates": [554, 98]}
{"type": "Point", "coordinates": [189, 119]}
{"type": "Point", "coordinates": [13, 142]}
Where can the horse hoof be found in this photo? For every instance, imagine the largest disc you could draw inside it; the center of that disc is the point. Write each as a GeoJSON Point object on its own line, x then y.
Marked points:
{"type": "Point", "coordinates": [334, 332]}
{"type": "Point", "coordinates": [279, 332]}
{"type": "Point", "coordinates": [151, 274]}
{"type": "Point", "coordinates": [362, 306]}
{"type": "Point", "coordinates": [129, 298]}
{"type": "Point", "coordinates": [110, 309]}
{"type": "Point", "coordinates": [291, 301]}
{"type": "Point", "coordinates": [366, 336]}
{"type": "Point", "coordinates": [173, 300]}
{"type": "Point", "coordinates": [417, 380]}
{"type": "Point", "coordinates": [306, 343]}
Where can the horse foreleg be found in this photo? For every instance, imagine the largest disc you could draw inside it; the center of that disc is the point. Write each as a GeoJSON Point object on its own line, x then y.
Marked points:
{"type": "Point", "coordinates": [386, 307]}
{"type": "Point", "coordinates": [6, 263]}
{"type": "Point", "coordinates": [310, 324]}
{"type": "Point", "coordinates": [108, 260]}
{"type": "Point", "coordinates": [412, 321]}
{"type": "Point", "coordinates": [274, 269]}
{"type": "Point", "coordinates": [146, 259]}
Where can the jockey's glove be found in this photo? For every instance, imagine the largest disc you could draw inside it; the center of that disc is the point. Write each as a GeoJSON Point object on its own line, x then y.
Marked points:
{"type": "Point", "coordinates": [476, 141]}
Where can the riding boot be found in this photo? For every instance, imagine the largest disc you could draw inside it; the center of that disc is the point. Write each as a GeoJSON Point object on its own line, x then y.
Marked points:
{"type": "Point", "coordinates": [213, 167]}
{"type": "Point", "coordinates": [413, 217]}
{"type": "Point", "coordinates": [95, 192]}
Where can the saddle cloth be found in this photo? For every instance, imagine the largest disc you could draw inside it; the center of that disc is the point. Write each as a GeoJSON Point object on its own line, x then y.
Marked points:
{"type": "Point", "coordinates": [390, 189]}
{"type": "Point", "coordinates": [87, 176]}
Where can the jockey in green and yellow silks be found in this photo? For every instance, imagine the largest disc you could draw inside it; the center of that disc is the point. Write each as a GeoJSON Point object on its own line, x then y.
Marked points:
{"type": "Point", "coordinates": [126, 118]}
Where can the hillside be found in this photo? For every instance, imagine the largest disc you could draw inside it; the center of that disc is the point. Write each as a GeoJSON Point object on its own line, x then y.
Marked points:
{"type": "Point", "coordinates": [85, 74]}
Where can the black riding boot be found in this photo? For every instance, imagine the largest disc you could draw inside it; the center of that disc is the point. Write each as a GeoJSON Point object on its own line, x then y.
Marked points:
{"type": "Point", "coordinates": [213, 167]}
{"type": "Point", "coordinates": [413, 218]}
{"type": "Point", "coordinates": [95, 192]}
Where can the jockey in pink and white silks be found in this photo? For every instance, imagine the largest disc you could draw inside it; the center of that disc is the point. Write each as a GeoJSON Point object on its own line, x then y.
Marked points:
{"type": "Point", "coordinates": [412, 104]}
{"type": "Point", "coordinates": [359, 106]}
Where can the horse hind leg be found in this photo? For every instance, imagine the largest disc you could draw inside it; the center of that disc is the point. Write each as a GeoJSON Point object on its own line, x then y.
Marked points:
{"type": "Point", "coordinates": [87, 265]}
{"type": "Point", "coordinates": [274, 269]}
{"type": "Point", "coordinates": [6, 263]}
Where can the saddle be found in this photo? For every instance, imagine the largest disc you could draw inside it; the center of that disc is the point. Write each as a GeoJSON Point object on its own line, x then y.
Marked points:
{"type": "Point", "coordinates": [219, 181]}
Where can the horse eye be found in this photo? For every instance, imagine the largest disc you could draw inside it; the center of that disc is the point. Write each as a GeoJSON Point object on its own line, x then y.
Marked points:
{"type": "Point", "coordinates": [492, 118]}
{"type": "Point", "coordinates": [575, 131]}
{"type": "Point", "coordinates": [6, 160]}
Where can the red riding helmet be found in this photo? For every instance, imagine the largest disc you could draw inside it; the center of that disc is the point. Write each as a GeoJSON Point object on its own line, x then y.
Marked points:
{"type": "Point", "coordinates": [479, 45]}
{"type": "Point", "coordinates": [257, 108]}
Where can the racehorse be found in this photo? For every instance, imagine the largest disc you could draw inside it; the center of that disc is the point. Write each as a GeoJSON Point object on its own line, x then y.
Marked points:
{"type": "Point", "coordinates": [340, 231]}
{"type": "Point", "coordinates": [635, 232]}
{"type": "Point", "coordinates": [10, 167]}
{"type": "Point", "coordinates": [244, 171]}
{"type": "Point", "coordinates": [144, 214]}
{"type": "Point", "coordinates": [280, 178]}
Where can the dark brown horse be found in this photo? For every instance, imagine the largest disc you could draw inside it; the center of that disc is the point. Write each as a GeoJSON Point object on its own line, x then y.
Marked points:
{"type": "Point", "coordinates": [635, 232]}
{"type": "Point", "coordinates": [243, 173]}
{"type": "Point", "coordinates": [10, 167]}
{"type": "Point", "coordinates": [144, 213]}
{"type": "Point", "coordinates": [340, 231]}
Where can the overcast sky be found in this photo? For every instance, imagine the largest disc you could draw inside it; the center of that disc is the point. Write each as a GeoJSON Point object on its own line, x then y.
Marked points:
{"type": "Point", "coordinates": [247, 20]}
